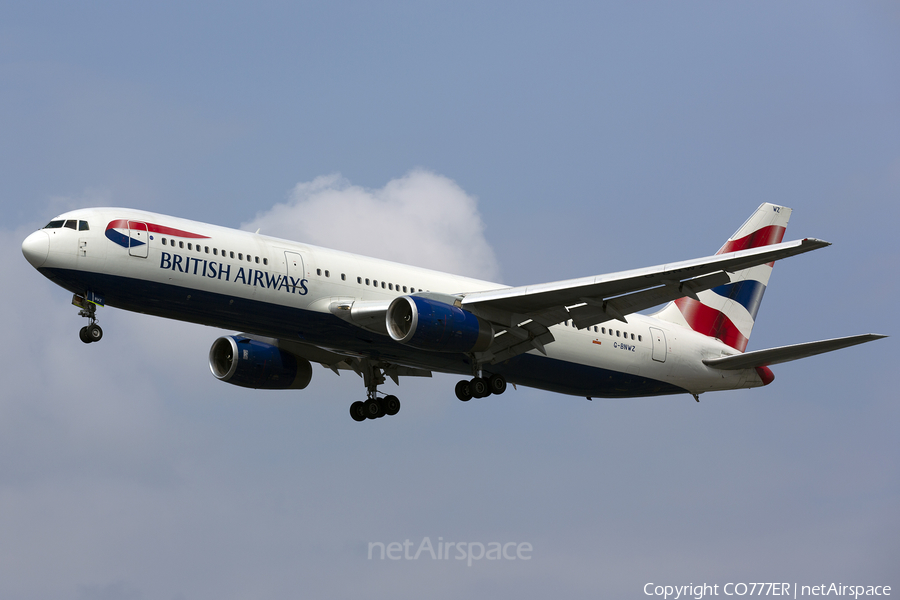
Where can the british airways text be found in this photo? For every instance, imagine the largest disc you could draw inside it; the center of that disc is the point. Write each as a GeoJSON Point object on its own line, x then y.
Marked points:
{"type": "Point", "coordinates": [216, 270]}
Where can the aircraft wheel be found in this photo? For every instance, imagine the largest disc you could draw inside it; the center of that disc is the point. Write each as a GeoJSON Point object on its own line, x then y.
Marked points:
{"type": "Point", "coordinates": [497, 384]}
{"type": "Point", "coordinates": [83, 335]}
{"type": "Point", "coordinates": [373, 409]}
{"type": "Point", "coordinates": [357, 411]}
{"type": "Point", "coordinates": [391, 405]}
{"type": "Point", "coordinates": [480, 388]}
{"type": "Point", "coordinates": [94, 332]}
{"type": "Point", "coordinates": [464, 390]}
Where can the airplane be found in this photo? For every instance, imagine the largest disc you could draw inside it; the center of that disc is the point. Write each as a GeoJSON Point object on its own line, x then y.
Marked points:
{"type": "Point", "coordinates": [298, 304]}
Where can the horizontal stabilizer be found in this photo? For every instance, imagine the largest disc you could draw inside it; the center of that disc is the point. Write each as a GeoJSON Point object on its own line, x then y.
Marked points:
{"type": "Point", "coordinates": [774, 356]}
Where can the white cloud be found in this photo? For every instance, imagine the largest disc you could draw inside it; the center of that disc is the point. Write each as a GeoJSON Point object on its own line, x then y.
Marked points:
{"type": "Point", "coordinates": [422, 218]}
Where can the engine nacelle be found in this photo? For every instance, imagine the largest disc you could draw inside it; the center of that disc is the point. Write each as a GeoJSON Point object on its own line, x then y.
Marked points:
{"type": "Point", "coordinates": [253, 364]}
{"type": "Point", "coordinates": [429, 324]}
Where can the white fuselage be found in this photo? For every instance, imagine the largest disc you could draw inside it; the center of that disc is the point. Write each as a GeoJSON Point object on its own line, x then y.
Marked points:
{"type": "Point", "coordinates": [268, 286]}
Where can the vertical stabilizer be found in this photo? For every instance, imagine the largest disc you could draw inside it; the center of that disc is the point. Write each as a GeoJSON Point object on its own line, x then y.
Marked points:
{"type": "Point", "coordinates": [728, 312]}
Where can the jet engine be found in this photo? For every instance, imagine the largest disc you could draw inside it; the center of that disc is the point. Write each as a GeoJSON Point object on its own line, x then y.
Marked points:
{"type": "Point", "coordinates": [429, 324]}
{"type": "Point", "coordinates": [253, 364]}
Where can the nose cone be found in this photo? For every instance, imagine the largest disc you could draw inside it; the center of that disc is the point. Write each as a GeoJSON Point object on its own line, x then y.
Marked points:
{"type": "Point", "coordinates": [36, 247]}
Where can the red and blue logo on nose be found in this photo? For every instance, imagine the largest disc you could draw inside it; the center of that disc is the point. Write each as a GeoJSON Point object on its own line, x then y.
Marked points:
{"type": "Point", "coordinates": [118, 231]}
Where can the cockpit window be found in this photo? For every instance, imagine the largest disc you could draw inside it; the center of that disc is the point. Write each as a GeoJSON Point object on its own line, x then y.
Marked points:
{"type": "Point", "coordinates": [71, 224]}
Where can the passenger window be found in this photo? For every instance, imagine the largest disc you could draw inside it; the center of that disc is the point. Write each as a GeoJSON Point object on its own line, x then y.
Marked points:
{"type": "Point", "coordinates": [617, 333]}
{"type": "Point", "coordinates": [71, 224]}
{"type": "Point", "coordinates": [382, 285]}
{"type": "Point", "coordinates": [319, 272]}
{"type": "Point", "coordinates": [256, 259]}
{"type": "Point", "coordinates": [639, 339]}
{"type": "Point", "coordinates": [367, 281]}
{"type": "Point", "coordinates": [54, 224]}
{"type": "Point", "coordinates": [83, 226]}
{"type": "Point", "coordinates": [181, 244]}
{"type": "Point", "coordinates": [404, 289]}
{"type": "Point", "coordinates": [164, 241]}
{"type": "Point", "coordinates": [240, 256]}
{"type": "Point", "coordinates": [231, 254]}
{"type": "Point", "coordinates": [343, 277]}
{"type": "Point", "coordinates": [265, 261]}
{"type": "Point", "coordinates": [190, 247]}
{"type": "Point", "coordinates": [359, 280]}
{"type": "Point", "coordinates": [206, 249]}
{"type": "Point", "coordinates": [603, 329]}
{"type": "Point", "coordinates": [390, 286]}
{"type": "Point", "coordinates": [632, 336]}
{"type": "Point", "coordinates": [327, 273]}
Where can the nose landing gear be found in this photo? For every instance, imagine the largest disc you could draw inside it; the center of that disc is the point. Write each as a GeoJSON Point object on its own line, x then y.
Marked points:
{"type": "Point", "coordinates": [92, 332]}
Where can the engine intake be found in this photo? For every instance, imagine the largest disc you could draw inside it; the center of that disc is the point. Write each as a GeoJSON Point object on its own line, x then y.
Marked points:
{"type": "Point", "coordinates": [253, 364]}
{"type": "Point", "coordinates": [429, 324]}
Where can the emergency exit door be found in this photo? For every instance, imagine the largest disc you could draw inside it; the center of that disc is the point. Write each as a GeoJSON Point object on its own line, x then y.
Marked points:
{"type": "Point", "coordinates": [658, 338]}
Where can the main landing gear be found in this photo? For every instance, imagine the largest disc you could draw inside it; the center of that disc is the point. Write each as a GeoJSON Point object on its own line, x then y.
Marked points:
{"type": "Point", "coordinates": [89, 333]}
{"type": "Point", "coordinates": [480, 387]}
{"type": "Point", "coordinates": [374, 407]}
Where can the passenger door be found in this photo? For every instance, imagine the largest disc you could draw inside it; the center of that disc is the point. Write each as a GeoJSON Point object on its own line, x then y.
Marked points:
{"type": "Point", "coordinates": [138, 239]}
{"type": "Point", "coordinates": [293, 267]}
{"type": "Point", "coordinates": [658, 338]}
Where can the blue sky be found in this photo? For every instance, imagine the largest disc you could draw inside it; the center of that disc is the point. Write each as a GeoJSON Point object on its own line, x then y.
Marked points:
{"type": "Point", "coordinates": [549, 142]}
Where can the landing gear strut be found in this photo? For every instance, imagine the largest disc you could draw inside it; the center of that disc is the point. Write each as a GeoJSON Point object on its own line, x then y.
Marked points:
{"type": "Point", "coordinates": [374, 407]}
{"type": "Point", "coordinates": [89, 333]}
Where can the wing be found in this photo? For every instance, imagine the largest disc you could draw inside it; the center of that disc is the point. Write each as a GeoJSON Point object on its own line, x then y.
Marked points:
{"type": "Point", "coordinates": [524, 314]}
{"type": "Point", "coordinates": [774, 356]}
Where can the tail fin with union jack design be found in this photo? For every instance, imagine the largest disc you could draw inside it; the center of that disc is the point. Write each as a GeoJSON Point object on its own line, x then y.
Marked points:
{"type": "Point", "coordinates": [728, 312]}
